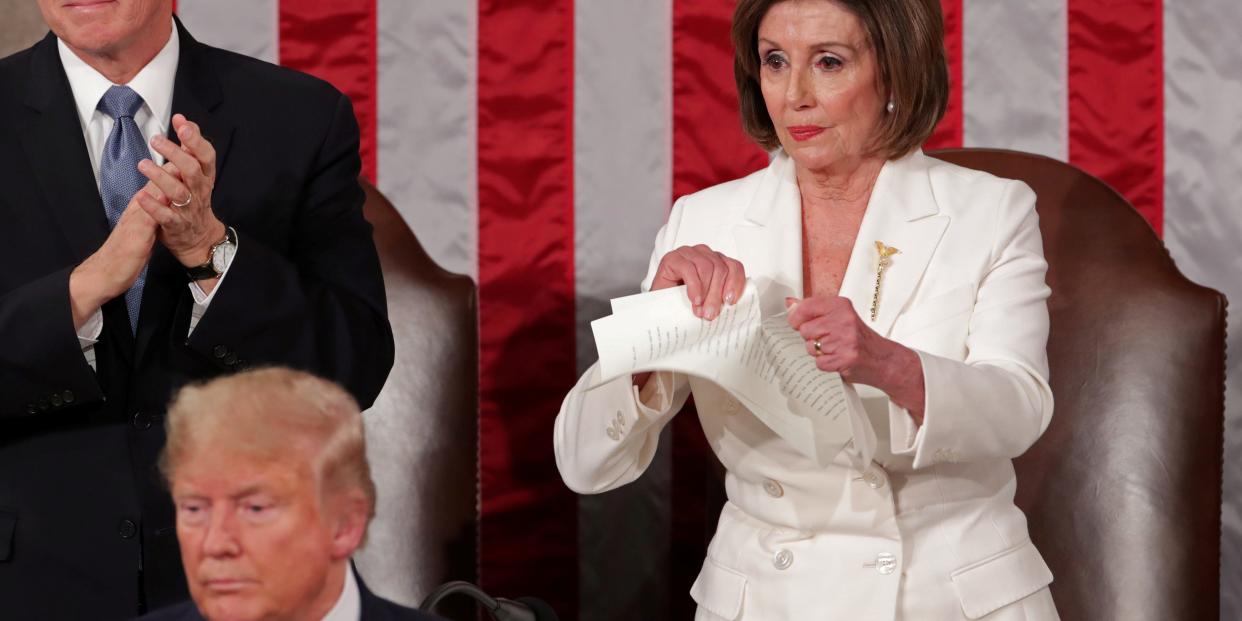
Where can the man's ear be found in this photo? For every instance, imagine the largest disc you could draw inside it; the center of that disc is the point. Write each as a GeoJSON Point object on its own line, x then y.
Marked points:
{"type": "Point", "coordinates": [349, 523]}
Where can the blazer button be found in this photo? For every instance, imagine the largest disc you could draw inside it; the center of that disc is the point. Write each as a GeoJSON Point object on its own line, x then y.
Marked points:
{"type": "Point", "coordinates": [31, 409]}
{"type": "Point", "coordinates": [783, 559]}
{"type": "Point", "coordinates": [874, 479]}
{"type": "Point", "coordinates": [773, 488]}
{"type": "Point", "coordinates": [219, 351]}
{"type": "Point", "coordinates": [613, 435]}
{"type": "Point", "coordinates": [56, 401]}
{"type": "Point", "coordinates": [885, 563]}
{"type": "Point", "coordinates": [127, 529]}
{"type": "Point", "coordinates": [230, 359]}
{"type": "Point", "coordinates": [43, 405]}
{"type": "Point", "coordinates": [68, 397]}
{"type": "Point", "coordinates": [141, 421]}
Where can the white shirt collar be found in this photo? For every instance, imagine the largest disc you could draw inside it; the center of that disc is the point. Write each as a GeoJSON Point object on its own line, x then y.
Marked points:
{"type": "Point", "coordinates": [154, 83]}
{"type": "Point", "coordinates": [349, 605]}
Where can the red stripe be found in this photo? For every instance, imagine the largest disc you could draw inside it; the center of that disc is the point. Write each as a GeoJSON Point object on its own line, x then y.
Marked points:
{"type": "Point", "coordinates": [335, 40]}
{"type": "Point", "coordinates": [1116, 98]}
{"type": "Point", "coordinates": [528, 530]}
{"type": "Point", "coordinates": [709, 147]}
{"type": "Point", "coordinates": [948, 133]}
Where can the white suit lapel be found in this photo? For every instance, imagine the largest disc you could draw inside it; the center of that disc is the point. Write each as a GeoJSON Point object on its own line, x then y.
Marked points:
{"type": "Point", "coordinates": [769, 237]}
{"type": "Point", "coordinates": [903, 214]}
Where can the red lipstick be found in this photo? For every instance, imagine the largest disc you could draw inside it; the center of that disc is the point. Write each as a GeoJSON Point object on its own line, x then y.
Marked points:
{"type": "Point", "coordinates": [805, 132]}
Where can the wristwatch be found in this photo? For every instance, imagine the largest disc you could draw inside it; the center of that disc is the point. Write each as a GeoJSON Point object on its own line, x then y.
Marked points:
{"type": "Point", "coordinates": [221, 255]}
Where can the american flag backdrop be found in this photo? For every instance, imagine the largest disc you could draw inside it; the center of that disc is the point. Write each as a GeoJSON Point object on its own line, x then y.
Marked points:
{"type": "Point", "coordinates": [537, 145]}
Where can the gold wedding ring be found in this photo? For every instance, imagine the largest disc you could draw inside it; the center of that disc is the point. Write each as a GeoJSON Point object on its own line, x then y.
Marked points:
{"type": "Point", "coordinates": [818, 351]}
{"type": "Point", "coordinates": [186, 203]}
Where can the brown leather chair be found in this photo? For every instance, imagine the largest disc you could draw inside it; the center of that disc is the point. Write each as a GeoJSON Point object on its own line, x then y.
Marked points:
{"type": "Point", "coordinates": [422, 432]}
{"type": "Point", "coordinates": [1123, 492]}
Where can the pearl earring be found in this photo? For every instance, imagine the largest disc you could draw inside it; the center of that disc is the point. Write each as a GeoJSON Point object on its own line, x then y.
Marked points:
{"type": "Point", "coordinates": [890, 107]}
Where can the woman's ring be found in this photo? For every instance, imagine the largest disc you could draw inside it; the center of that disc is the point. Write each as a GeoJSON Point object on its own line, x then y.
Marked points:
{"type": "Point", "coordinates": [818, 351]}
{"type": "Point", "coordinates": [184, 204]}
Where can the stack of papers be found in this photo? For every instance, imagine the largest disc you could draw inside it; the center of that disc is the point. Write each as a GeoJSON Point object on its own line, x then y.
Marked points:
{"type": "Point", "coordinates": [761, 361]}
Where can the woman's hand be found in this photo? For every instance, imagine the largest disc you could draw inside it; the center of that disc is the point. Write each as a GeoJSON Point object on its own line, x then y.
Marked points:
{"type": "Point", "coordinates": [842, 342]}
{"type": "Point", "coordinates": [711, 279]}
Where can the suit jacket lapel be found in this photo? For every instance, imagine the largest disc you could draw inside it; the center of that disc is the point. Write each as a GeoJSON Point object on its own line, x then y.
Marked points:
{"type": "Point", "coordinates": [902, 213]}
{"type": "Point", "coordinates": [769, 237]}
{"type": "Point", "coordinates": [53, 141]}
{"type": "Point", "coordinates": [54, 144]}
{"type": "Point", "coordinates": [197, 95]}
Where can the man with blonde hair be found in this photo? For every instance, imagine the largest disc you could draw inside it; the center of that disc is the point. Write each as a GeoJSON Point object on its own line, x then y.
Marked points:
{"type": "Point", "coordinates": [273, 493]}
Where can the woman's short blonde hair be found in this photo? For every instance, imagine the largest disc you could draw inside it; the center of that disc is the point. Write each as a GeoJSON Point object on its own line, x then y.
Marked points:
{"type": "Point", "coordinates": [267, 413]}
{"type": "Point", "coordinates": [908, 39]}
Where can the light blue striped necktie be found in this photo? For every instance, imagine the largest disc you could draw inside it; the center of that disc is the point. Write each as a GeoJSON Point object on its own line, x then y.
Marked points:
{"type": "Point", "coordinates": [119, 178]}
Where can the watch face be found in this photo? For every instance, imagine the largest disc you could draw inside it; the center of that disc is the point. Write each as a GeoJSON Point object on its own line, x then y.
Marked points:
{"type": "Point", "coordinates": [223, 255]}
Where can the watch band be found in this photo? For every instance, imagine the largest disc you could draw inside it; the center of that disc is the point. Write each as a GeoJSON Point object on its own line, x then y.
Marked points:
{"type": "Point", "coordinates": [207, 270]}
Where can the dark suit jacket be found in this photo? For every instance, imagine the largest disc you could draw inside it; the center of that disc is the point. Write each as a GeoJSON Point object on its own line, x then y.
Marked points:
{"type": "Point", "coordinates": [86, 526]}
{"type": "Point", "coordinates": [374, 608]}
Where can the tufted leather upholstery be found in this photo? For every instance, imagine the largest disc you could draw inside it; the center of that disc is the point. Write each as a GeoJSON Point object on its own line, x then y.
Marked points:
{"type": "Point", "coordinates": [1123, 492]}
{"type": "Point", "coordinates": [422, 431]}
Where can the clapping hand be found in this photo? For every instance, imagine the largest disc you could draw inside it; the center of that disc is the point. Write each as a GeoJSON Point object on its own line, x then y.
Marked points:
{"type": "Point", "coordinates": [179, 195]}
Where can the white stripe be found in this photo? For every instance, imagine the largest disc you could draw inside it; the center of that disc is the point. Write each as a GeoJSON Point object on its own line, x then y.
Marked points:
{"type": "Point", "coordinates": [622, 191]}
{"type": "Point", "coordinates": [244, 26]}
{"type": "Point", "coordinates": [1202, 217]}
{"type": "Point", "coordinates": [1015, 76]}
{"type": "Point", "coordinates": [622, 148]}
{"type": "Point", "coordinates": [427, 91]}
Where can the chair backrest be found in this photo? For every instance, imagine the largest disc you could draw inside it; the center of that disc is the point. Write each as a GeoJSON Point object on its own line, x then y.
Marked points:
{"type": "Point", "coordinates": [422, 432]}
{"type": "Point", "coordinates": [1123, 492]}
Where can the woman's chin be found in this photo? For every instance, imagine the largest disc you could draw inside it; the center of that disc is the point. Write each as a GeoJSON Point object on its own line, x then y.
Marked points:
{"type": "Point", "coordinates": [811, 156]}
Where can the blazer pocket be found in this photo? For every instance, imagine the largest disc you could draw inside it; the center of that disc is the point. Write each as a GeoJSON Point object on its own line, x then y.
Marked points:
{"type": "Point", "coordinates": [719, 589]}
{"type": "Point", "coordinates": [942, 307]}
{"type": "Point", "coordinates": [8, 528]}
{"type": "Point", "coordinates": [1000, 580]}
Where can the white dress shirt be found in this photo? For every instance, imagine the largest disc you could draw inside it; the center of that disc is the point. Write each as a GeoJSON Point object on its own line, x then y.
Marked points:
{"type": "Point", "coordinates": [349, 605]}
{"type": "Point", "coordinates": [154, 83]}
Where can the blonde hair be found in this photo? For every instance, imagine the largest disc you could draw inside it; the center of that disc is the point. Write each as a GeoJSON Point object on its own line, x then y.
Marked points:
{"type": "Point", "coordinates": [267, 413]}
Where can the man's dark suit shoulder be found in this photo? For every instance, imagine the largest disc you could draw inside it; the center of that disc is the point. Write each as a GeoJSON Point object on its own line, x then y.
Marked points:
{"type": "Point", "coordinates": [264, 82]}
{"type": "Point", "coordinates": [373, 609]}
{"type": "Point", "coordinates": [14, 69]}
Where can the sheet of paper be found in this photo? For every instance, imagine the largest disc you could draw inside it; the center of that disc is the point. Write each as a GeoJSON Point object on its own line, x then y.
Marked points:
{"type": "Point", "coordinates": [761, 361]}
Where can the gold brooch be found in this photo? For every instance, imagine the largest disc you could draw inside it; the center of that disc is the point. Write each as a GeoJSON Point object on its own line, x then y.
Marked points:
{"type": "Point", "coordinates": [886, 252]}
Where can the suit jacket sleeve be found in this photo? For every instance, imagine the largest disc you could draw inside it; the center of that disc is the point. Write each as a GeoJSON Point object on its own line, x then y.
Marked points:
{"type": "Point", "coordinates": [606, 436]}
{"type": "Point", "coordinates": [42, 368]}
{"type": "Point", "coordinates": [996, 403]}
{"type": "Point", "coordinates": [320, 305]}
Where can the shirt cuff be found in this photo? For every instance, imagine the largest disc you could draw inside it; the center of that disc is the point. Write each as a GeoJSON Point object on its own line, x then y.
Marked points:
{"type": "Point", "coordinates": [202, 299]}
{"type": "Point", "coordinates": [904, 435]}
{"type": "Point", "coordinates": [89, 333]}
{"type": "Point", "coordinates": [656, 396]}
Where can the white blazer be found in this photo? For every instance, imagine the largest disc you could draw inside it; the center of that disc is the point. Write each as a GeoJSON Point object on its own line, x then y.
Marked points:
{"type": "Point", "coordinates": [928, 529]}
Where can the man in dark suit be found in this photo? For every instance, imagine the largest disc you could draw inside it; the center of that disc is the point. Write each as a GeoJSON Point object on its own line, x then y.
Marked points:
{"type": "Point", "coordinates": [172, 212]}
{"type": "Point", "coordinates": [273, 494]}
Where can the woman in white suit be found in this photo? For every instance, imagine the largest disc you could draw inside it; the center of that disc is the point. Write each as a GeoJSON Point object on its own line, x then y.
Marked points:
{"type": "Point", "coordinates": [920, 282]}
